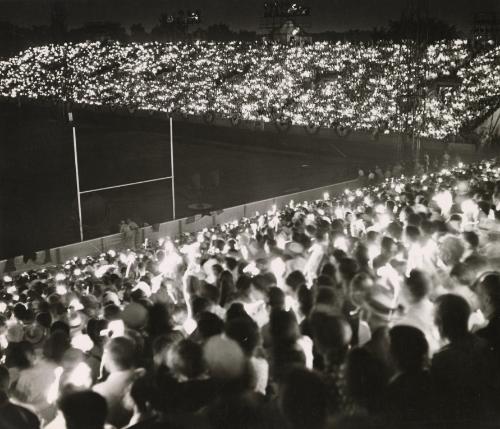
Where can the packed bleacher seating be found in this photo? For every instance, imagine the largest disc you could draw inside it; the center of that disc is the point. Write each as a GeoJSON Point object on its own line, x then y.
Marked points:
{"type": "Point", "coordinates": [371, 87]}
{"type": "Point", "coordinates": [379, 307]}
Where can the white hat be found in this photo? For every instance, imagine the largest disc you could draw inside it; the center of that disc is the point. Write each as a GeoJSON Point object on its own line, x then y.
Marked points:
{"type": "Point", "coordinates": [224, 358]}
{"type": "Point", "coordinates": [134, 315]}
{"type": "Point", "coordinates": [144, 287]}
{"type": "Point", "coordinates": [110, 297]}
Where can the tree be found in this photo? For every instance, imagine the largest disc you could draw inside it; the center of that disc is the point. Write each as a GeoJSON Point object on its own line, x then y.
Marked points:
{"type": "Point", "coordinates": [417, 28]}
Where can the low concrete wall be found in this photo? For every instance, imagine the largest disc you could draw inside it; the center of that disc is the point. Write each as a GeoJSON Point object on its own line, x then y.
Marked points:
{"type": "Point", "coordinates": [171, 229]}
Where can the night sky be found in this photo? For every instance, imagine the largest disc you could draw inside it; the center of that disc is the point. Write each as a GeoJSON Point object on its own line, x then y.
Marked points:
{"type": "Point", "coordinates": [326, 14]}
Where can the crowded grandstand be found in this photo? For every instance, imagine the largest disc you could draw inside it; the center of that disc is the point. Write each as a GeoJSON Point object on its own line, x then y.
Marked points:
{"type": "Point", "coordinates": [376, 307]}
{"type": "Point", "coordinates": [442, 90]}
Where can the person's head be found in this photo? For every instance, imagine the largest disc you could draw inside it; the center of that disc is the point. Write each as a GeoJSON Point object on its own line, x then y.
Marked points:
{"type": "Point", "coordinates": [471, 240]}
{"type": "Point", "coordinates": [284, 328]}
{"type": "Point", "coordinates": [294, 280]}
{"type": "Point", "coordinates": [84, 410]}
{"type": "Point", "coordinates": [59, 325]}
{"type": "Point", "coordinates": [211, 293]}
{"type": "Point", "coordinates": [55, 346]}
{"type": "Point", "coordinates": [20, 355]}
{"type": "Point", "coordinates": [140, 395]}
{"type": "Point", "coordinates": [259, 287]}
{"type": "Point", "coordinates": [347, 269]}
{"type": "Point", "coordinates": [451, 250]}
{"type": "Point", "coordinates": [303, 399]}
{"type": "Point", "coordinates": [245, 332]}
{"type": "Point", "coordinates": [44, 319]}
{"type": "Point", "coordinates": [325, 281]}
{"type": "Point", "coordinates": [395, 230]}
{"type": "Point", "coordinates": [306, 300]}
{"type": "Point", "coordinates": [276, 299]}
{"type": "Point", "coordinates": [329, 270]}
{"type": "Point", "coordinates": [366, 378]}
{"type": "Point", "coordinates": [225, 361]}
{"type": "Point", "coordinates": [488, 293]}
{"type": "Point", "coordinates": [360, 286]}
{"type": "Point", "coordinates": [235, 311]}
{"type": "Point", "coordinates": [185, 359]}
{"type": "Point", "coordinates": [331, 336]}
{"type": "Point", "coordinates": [209, 324]}
{"type": "Point", "coordinates": [417, 286]}
{"type": "Point", "coordinates": [119, 354]}
{"type": "Point", "coordinates": [199, 305]}
{"type": "Point", "coordinates": [161, 345]}
{"type": "Point", "coordinates": [408, 348]}
{"type": "Point", "coordinates": [452, 316]}
{"type": "Point", "coordinates": [244, 284]}
{"type": "Point", "coordinates": [462, 275]}
{"type": "Point", "coordinates": [411, 235]}
{"type": "Point", "coordinates": [388, 247]}
{"type": "Point", "coordinates": [226, 287]}
{"type": "Point", "coordinates": [94, 329]}
{"type": "Point", "coordinates": [328, 299]}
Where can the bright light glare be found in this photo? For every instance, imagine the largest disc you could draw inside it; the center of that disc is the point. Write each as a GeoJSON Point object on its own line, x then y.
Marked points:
{"type": "Point", "coordinates": [340, 243]}
{"type": "Point", "coordinates": [80, 376]}
{"type": "Point", "coordinates": [82, 342]}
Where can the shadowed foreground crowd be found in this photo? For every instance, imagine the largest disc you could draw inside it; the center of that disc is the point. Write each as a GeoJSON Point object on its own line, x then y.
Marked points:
{"type": "Point", "coordinates": [379, 307]}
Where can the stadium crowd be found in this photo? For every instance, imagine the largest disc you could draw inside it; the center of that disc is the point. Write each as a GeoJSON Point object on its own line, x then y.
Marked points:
{"type": "Point", "coordinates": [372, 87]}
{"type": "Point", "coordinates": [379, 307]}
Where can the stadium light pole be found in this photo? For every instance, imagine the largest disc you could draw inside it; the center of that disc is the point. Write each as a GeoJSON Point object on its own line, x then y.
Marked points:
{"type": "Point", "coordinates": [172, 165]}
{"type": "Point", "coordinates": [78, 193]}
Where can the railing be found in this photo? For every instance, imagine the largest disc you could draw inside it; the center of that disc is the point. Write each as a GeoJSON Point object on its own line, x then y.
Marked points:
{"type": "Point", "coordinates": [173, 228]}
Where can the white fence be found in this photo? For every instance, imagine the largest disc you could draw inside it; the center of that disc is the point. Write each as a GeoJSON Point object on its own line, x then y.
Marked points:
{"type": "Point", "coordinates": [173, 228]}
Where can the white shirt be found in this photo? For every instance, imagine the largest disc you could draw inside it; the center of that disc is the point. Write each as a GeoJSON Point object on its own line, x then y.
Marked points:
{"type": "Point", "coordinates": [261, 371]}
{"type": "Point", "coordinates": [114, 390]}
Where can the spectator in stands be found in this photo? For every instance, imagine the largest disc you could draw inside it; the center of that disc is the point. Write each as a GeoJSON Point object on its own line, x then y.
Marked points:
{"type": "Point", "coordinates": [19, 356]}
{"type": "Point", "coordinates": [84, 410]}
{"type": "Point", "coordinates": [366, 380]}
{"type": "Point", "coordinates": [419, 311]}
{"type": "Point", "coordinates": [332, 335]}
{"type": "Point", "coordinates": [140, 398]}
{"type": "Point", "coordinates": [303, 399]}
{"type": "Point", "coordinates": [461, 369]}
{"type": "Point", "coordinates": [203, 363]}
{"type": "Point", "coordinates": [246, 333]}
{"type": "Point", "coordinates": [35, 381]}
{"type": "Point", "coordinates": [119, 360]}
{"type": "Point", "coordinates": [134, 231]}
{"type": "Point", "coordinates": [293, 283]}
{"type": "Point", "coordinates": [128, 235]}
{"type": "Point", "coordinates": [287, 348]}
{"type": "Point", "coordinates": [13, 416]}
{"type": "Point", "coordinates": [408, 398]}
{"type": "Point", "coordinates": [359, 289]}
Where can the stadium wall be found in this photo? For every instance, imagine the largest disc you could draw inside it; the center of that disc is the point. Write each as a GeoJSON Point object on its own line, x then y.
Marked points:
{"type": "Point", "coordinates": [491, 124]}
{"type": "Point", "coordinates": [354, 138]}
{"type": "Point", "coordinates": [173, 228]}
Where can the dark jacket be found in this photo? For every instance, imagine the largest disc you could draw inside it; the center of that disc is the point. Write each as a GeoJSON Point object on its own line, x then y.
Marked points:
{"type": "Point", "coordinates": [16, 417]}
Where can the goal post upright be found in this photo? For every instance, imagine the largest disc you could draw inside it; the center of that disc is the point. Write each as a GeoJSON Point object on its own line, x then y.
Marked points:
{"type": "Point", "coordinates": [79, 192]}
